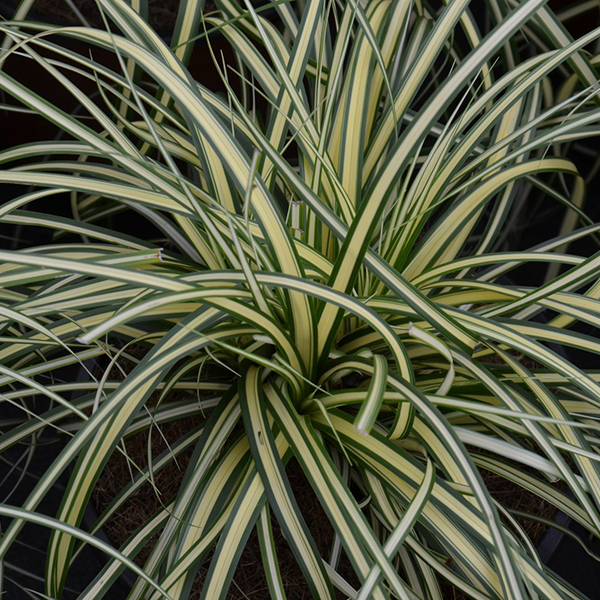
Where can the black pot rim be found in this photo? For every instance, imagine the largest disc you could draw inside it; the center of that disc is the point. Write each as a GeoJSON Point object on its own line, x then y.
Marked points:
{"type": "Point", "coordinates": [553, 537]}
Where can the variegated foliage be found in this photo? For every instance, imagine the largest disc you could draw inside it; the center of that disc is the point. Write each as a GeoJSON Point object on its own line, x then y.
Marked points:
{"type": "Point", "coordinates": [329, 284]}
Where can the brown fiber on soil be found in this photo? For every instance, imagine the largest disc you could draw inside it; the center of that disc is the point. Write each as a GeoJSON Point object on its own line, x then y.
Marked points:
{"type": "Point", "coordinates": [511, 496]}
{"type": "Point", "coordinates": [249, 580]}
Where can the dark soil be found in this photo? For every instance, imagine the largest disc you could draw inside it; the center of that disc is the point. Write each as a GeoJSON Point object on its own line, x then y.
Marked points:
{"type": "Point", "coordinates": [249, 581]}
{"type": "Point", "coordinates": [512, 496]}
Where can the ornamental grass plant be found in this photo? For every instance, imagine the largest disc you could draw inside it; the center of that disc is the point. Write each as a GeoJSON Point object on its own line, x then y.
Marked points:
{"type": "Point", "coordinates": [316, 258]}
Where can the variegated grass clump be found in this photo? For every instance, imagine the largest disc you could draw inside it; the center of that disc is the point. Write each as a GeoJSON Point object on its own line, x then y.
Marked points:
{"type": "Point", "coordinates": [329, 284]}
